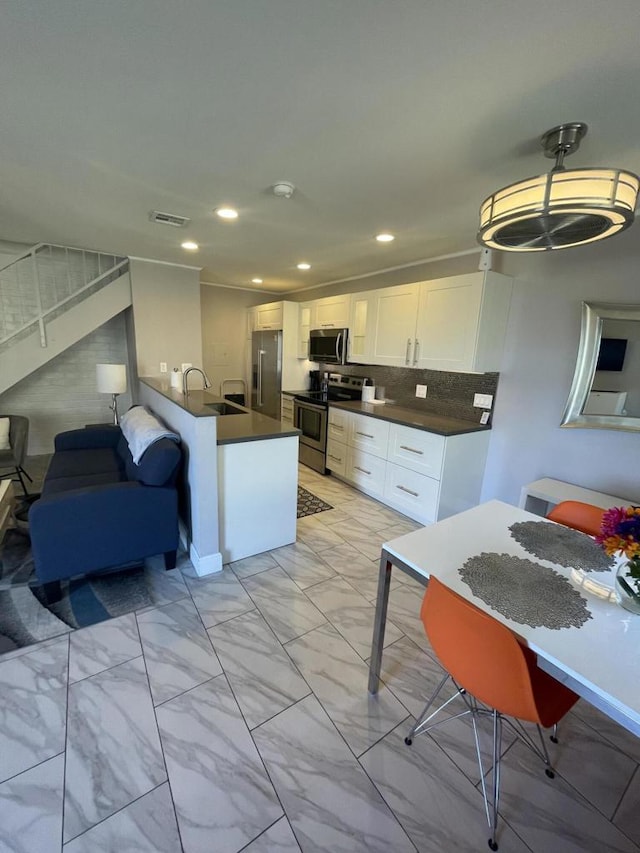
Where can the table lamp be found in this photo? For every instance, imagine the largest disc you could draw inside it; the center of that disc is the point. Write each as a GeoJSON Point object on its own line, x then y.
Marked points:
{"type": "Point", "coordinates": [112, 379]}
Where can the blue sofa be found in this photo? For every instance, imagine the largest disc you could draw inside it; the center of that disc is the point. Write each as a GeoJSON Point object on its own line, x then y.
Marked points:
{"type": "Point", "coordinates": [99, 510]}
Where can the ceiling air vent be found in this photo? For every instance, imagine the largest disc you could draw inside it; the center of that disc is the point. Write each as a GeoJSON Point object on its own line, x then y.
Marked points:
{"type": "Point", "coordinates": [169, 219]}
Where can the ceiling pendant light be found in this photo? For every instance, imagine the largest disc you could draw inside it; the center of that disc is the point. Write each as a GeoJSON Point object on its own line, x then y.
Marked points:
{"type": "Point", "coordinates": [562, 208]}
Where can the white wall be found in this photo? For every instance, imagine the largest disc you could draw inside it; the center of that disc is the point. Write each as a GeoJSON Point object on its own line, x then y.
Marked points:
{"type": "Point", "coordinates": [166, 315]}
{"type": "Point", "coordinates": [544, 329]}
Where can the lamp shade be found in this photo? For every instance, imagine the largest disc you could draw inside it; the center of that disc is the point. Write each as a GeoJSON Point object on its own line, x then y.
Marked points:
{"type": "Point", "coordinates": [559, 210]}
{"type": "Point", "coordinates": [111, 378]}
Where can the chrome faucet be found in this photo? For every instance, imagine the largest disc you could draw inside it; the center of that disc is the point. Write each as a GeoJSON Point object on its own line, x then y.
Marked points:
{"type": "Point", "coordinates": [185, 384]}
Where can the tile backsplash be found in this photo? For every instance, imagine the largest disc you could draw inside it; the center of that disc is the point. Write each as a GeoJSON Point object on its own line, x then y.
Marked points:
{"type": "Point", "coordinates": [449, 394]}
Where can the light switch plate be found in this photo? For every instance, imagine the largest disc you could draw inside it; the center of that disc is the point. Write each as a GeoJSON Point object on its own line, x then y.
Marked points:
{"type": "Point", "coordinates": [421, 391]}
{"type": "Point", "coordinates": [483, 401]}
{"type": "Point", "coordinates": [163, 367]}
{"type": "Point", "coordinates": [484, 418]}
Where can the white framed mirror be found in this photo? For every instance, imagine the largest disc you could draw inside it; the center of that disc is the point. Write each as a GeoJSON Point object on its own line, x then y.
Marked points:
{"type": "Point", "coordinates": [605, 393]}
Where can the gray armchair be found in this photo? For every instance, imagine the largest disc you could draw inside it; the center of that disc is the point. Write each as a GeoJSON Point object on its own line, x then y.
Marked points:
{"type": "Point", "coordinates": [11, 460]}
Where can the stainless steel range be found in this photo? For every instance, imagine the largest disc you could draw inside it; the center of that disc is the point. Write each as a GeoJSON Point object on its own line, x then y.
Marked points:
{"type": "Point", "coordinates": [311, 414]}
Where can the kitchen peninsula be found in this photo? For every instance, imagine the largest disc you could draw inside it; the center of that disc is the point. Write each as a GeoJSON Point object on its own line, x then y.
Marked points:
{"type": "Point", "coordinates": [252, 462]}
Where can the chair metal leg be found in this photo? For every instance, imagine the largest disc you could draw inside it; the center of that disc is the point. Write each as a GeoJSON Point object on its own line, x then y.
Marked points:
{"type": "Point", "coordinates": [554, 734]}
{"type": "Point", "coordinates": [497, 749]}
{"type": "Point", "coordinates": [422, 719]}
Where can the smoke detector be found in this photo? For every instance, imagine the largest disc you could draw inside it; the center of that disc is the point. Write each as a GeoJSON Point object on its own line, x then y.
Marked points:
{"type": "Point", "coordinates": [283, 189]}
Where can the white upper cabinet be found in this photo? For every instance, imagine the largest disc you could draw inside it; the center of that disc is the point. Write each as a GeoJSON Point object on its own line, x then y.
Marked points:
{"type": "Point", "coordinates": [268, 316]}
{"type": "Point", "coordinates": [304, 327]}
{"type": "Point", "coordinates": [359, 333]}
{"type": "Point", "coordinates": [388, 317]}
{"type": "Point", "coordinates": [457, 323]}
{"type": "Point", "coordinates": [332, 312]}
{"type": "Point", "coordinates": [462, 322]}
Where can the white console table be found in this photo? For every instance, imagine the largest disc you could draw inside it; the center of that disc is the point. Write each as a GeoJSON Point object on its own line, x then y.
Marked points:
{"type": "Point", "coordinates": [542, 495]}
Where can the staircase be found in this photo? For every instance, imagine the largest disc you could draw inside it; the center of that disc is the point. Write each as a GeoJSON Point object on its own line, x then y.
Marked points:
{"type": "Point", "coordinates": [50, 298]}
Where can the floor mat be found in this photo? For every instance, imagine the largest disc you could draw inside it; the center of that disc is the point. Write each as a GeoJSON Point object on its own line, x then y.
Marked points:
{"type": "Point", "coordinates": [309, 504]}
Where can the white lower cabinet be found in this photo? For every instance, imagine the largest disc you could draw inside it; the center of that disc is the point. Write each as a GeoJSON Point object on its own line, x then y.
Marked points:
{"type": "Point", "coordinates": [366, 471]}
{"type": "Point", "coordinates": [368, 434]}
{"type": "Point", "coordinates": [336, 456]}
{"type": "Point", "coordinates": [421, 474]}
{"type": "Point", "coordinates": [286, 409]}
{"type": "Point", "coordinates": [415, 449]}
{"type": "Point", "coordinates": [413, 494]}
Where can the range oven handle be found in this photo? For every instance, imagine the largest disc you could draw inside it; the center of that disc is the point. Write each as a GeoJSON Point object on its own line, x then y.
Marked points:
{"type": "Point", "coordinates": [299, 404]}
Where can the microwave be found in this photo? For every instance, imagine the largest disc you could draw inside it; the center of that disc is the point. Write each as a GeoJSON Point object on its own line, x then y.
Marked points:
{"type": "Point", "coordinates": [328, 345]}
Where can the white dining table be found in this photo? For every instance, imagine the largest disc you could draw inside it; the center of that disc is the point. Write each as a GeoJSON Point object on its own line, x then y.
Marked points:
{"type": "Point", "coordinates": [599, 659]}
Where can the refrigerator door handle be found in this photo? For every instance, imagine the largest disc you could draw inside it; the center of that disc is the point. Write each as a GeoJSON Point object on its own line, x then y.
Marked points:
{"type": "Point", "coordinates": [260, 354]}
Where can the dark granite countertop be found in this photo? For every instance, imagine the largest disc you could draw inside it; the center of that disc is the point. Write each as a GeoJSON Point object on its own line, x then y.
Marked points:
{"type": "Point", "coordinates": [427, 421]}
{"type": "Point", "coordinates": [231, 429]}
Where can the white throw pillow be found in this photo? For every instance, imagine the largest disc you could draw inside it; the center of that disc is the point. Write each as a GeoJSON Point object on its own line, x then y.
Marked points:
{"type": "Point", "coordinates": [4, 434]}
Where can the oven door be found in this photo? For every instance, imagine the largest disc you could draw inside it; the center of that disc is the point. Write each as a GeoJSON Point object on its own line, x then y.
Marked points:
{"type": "Point", "coordinates": [311, 420]}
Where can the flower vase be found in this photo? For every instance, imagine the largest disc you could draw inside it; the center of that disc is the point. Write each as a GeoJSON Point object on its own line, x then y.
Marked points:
{"type": "Point", "coordinates": [628, 585]}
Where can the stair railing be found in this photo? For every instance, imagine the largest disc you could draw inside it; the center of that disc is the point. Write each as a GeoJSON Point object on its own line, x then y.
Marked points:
{"type": "Point", "coordinates": [40, 314]}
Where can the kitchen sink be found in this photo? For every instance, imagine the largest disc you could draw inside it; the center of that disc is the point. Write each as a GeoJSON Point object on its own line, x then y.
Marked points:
{"type": "Point", "coordinates": [224, 409]}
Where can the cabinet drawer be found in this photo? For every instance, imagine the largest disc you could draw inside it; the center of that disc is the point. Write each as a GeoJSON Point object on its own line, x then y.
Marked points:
{"type": "Point", "coordinates": [369, 434]}
{"type": "Point", "coordinates": [337, 457]}
{"type": "Point", "coordinates": [339, 424]}
{"type": "Point", "coordinates": [414, 494]}
{"type": "Point", "coordinates": [417, 450]}
{"type": "Point", "coordinates": [366, 471]}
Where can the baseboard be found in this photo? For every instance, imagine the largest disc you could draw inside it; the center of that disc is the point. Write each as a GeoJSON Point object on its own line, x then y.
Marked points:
{"type": "Point", "coordinates": [208, 564]}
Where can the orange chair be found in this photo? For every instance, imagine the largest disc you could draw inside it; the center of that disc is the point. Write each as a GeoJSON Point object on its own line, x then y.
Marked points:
{"type": "Point", "coordinates": [586, 518]}
{"type": "Point", "coordinates": [488, 667]}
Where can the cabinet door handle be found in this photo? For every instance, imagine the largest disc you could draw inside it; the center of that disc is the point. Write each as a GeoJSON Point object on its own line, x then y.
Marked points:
{"type": "Point", "coordinates": [411, 450]}
{"type": "Point", "coordinates": [406, 358]}
{"type": "Point", "coordinates": [337, 426]}
{"type": "Point", "coordinates": [415, 352]}
{"type": "Point", "coordinates": [408, 491]}
{"type": "Point", "coordinates": [364, 470]}
{"type": "Point", "coordinates": [365, 434]}
{"type": "Point", "coordinates": [337, 458]}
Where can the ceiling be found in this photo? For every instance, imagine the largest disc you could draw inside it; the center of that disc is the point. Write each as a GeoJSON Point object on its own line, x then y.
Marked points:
{"type": "Point", "coordinates": [399, 116]}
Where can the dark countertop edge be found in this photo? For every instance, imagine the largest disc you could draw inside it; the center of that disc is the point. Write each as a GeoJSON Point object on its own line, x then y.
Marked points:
{"type": "Point", "coordinates": [425, 421]}
{"type": "Point", "coordinates": [251, 426]}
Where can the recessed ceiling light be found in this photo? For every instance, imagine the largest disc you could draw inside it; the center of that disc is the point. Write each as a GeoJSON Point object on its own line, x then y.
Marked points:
{"type": "Point", "coordinates": [190, 246]}
{"type": "Point", "coordinates": [304, 266]}
{"type": "Point", "coordinates": [227, 213]}
{"type": "Point", "coordinates": [256, 280]}
{"type": "Point", "coordinates": [385, 237]}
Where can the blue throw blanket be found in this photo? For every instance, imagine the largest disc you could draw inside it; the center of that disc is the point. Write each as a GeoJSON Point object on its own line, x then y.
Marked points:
{"type": "Point", "coordinates": [141, 428]}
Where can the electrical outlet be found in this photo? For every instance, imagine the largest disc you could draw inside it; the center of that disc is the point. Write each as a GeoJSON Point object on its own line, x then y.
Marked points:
{"type": "Point", "coordinates": [484, 418]}
{"type": "Point", "coordinates": [421, 391]}
{"type": "Point", "coordinates": [163, 367]}
{"type": "Point", "coordinates": [483, 401]}
{"type": "Point", "coordinates": [185, 365]}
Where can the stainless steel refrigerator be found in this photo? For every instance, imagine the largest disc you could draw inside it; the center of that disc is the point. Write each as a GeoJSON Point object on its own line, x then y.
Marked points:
{"type": "Point", "coordinates": [266, 373]}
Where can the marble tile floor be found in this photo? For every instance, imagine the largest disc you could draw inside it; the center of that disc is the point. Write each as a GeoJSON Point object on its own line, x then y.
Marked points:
{"type": "Point", "coordinates": [236, 718]}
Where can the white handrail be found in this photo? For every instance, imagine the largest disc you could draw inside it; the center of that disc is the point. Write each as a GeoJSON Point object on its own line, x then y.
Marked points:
{"type": "Point", "coordinates": [40, 317]}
